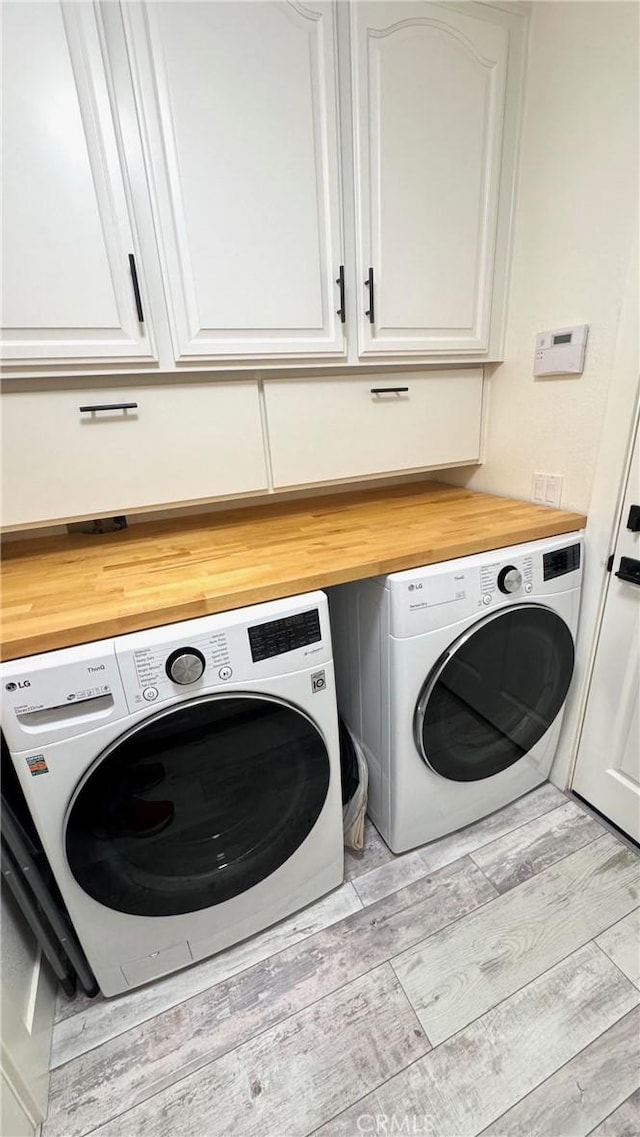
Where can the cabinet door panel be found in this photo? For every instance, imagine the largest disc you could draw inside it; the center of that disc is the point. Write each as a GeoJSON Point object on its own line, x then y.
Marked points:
{"type": "Point", "coordinates": [66, 236]}
{"type": "Point", "coordinates": [429, 106]}
{"type": "Point", "coordinates": [240, 118]}
{"type": "Point", "coordinates": [323, 430]}
{"type": "Point", "coordinates": [176, 444]}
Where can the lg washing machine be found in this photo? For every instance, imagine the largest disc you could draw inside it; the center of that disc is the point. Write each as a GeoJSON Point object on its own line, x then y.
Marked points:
{"type": "Point", "coordinates": [453, 678]}
{"type": "Point", "coordinates": [185, 781]}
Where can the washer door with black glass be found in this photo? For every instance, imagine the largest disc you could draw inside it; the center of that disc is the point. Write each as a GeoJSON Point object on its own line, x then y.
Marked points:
{"type": "Point", "coordinates": [494, 693]}
{"type": "Point", "coordinates": [197, 804]}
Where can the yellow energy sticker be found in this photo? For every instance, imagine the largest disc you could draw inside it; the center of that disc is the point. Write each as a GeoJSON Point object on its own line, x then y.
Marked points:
{"type": "Point", "coordinates": [37, 765]}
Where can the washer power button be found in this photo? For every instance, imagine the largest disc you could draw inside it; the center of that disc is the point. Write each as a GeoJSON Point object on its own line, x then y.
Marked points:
{"type": "Point", "coordinates": [225, 673]}
{"type": "Point", "coordinates": [150, 694]}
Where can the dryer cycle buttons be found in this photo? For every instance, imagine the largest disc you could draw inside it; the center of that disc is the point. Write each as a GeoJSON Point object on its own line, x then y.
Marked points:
{"type": "Point", "coordinates": [185, 665]}
{"type": "Point", "coordinates": [509, 579]}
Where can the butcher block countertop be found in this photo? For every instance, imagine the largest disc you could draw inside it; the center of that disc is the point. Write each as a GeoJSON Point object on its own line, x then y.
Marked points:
{"type": "Point", "coordinates": [60, 591]}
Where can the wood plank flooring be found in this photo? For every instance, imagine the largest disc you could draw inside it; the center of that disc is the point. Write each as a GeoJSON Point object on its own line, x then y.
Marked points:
{"type": "Point", "coordinates": [486, 984]}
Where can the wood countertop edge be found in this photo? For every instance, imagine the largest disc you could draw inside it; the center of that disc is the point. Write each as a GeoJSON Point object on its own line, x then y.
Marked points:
{"type": "Point", "coordinates": [84, 631]}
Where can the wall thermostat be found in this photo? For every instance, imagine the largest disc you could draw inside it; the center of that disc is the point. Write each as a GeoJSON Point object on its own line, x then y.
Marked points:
{"type": "Point", "coordinates": [561, 352]}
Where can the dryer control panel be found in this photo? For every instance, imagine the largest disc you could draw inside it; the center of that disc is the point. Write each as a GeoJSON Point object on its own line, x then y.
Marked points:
{"type": "Point", "coordinates": [441, 595]}
{"type": "Point", "coordinates": [506, 579]}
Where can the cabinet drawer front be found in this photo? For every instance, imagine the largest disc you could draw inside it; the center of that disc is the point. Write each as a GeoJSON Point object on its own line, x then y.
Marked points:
{"type": "Point", "coordinates": [174, 444]}
{"type": "Point", "coordinates": [326, 429]}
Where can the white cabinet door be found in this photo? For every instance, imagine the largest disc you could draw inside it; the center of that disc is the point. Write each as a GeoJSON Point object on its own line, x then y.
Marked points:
{"type": "Point", "coordinates": [323, 430]}
{"type": "Point", "coordinates": [608, 767]}
{"type": "Point", "coordinates": [240, 123]}
{"type": "Point", "coordinates": [94, 453]}
{"type": "Point", "coordinates": [67, 287]}
{"type": "Point", "coordinates": [429, 91]}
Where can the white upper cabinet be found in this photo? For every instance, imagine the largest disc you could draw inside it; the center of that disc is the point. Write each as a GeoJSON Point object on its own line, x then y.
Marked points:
{"type": "Point", "coordinates": [238, 107]}
{"type": "Point", "coordinates": [188, 160]}
{"type": "Point", "coordinates": [67, 242]}
{"type": "Point", "coordinates": [429, 106]}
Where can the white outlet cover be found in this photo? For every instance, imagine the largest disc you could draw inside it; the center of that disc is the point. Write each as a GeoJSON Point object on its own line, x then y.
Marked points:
{"type": "Point", "coordinates": [539, 489]}
{"type": "Point", "coordinates": [547, 489]}
{"type": "Point", "coordinates": [553, 492]}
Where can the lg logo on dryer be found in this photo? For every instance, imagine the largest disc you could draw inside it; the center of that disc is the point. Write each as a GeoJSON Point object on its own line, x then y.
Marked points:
{"type": "Point", "coordinates": [17, 686]}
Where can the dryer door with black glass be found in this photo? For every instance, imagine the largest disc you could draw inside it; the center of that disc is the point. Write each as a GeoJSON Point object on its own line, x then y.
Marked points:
{"type": "Point", "coordinates": [494, 693]}
{"type": "Point", "coordinates": [197, 804]}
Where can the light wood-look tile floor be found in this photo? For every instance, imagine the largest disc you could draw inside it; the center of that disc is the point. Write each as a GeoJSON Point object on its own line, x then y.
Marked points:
{"type": "Point", "coordinates": [488, 983]}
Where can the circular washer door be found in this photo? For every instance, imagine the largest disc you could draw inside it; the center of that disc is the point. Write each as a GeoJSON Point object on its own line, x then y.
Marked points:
{"type": "Point", "coordinates": [494, 693]}
{"type": "Point", "coordinates": [197, 804]}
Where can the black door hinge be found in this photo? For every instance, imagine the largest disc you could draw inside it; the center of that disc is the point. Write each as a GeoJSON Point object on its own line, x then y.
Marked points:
{"type": "Point", "coordinates": [610, 563]}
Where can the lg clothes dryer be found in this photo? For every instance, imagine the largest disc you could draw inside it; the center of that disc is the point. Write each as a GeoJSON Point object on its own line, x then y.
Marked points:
{"type": "Point", "coordinates": [185, 781]}
{"type": "Point", "coordinates": [453, 678]}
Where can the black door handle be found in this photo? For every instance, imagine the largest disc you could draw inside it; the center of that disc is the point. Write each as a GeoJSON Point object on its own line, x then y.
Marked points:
{"type": "Point", "coordinates": [341, 312]}
{"type": "Point", "coordinates": [108, 407]}
{"type": "Point", "coordinates": [136, 288]}
{"type": "Point", "coordinates": [370, 312]}
{"type": "Point", "coordinates": [629, 570]}
{"type": "Point", "coordinates": [633, 521]}
{"type": "Point", "coordinates": [389, 390]}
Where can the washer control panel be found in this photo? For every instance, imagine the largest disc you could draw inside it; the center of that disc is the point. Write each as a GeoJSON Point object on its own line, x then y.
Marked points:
{"type": "Point", "coordinates": [160, 672]}
{"type": "Point", "coordinates": [277, 637]}
{"type": "Point", "coordinates": [186, 659]}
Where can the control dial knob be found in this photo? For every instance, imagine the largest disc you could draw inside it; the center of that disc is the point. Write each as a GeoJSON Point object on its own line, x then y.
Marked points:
{"type": "Point", "coordinates": [185, 665]}
{"type": "Point", "coordinates": [509, 579]}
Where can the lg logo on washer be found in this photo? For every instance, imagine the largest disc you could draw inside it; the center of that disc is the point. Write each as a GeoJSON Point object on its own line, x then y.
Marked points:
{"type": "Point", "coordinates": [18, 686]}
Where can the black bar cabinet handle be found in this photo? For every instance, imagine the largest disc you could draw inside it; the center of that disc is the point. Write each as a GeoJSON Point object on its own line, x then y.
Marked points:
{"type": "Point", "coordinates": [370, 312]}
{"type": "Point", "coordinates": [341, 312]}
{"type": "Point", "coordinates": [389, 390]}
{"type": "Point", "coordinates": [109, 407]}
{"type": "Point", "coordinates": [629, 570]}
{"type": "Point", "coordinates": [136, 287]}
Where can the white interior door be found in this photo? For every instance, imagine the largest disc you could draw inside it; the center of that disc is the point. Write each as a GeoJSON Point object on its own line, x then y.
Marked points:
{"type": "Point", "coordinates": [429, 88]}
{"type": "Point", "coordinates": [608, 766]}
{"type": "Point", "coordinates": [67, 285]}
{"type": "Point", "coordinates": [241, 130]}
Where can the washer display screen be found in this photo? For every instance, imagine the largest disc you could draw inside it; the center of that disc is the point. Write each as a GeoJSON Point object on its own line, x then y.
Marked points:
{"type": "Point", "coordinates": [197, 805]}
{"type": "Point", "coordinates": [495, 693]}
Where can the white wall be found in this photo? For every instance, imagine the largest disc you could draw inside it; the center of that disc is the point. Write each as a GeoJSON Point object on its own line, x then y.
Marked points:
{"type": "Point", "coordinates": [576, 204]}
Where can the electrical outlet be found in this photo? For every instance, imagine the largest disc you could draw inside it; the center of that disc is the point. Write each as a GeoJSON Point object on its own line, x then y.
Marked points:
{"type": "Point", "coordinates": [547, 489]}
